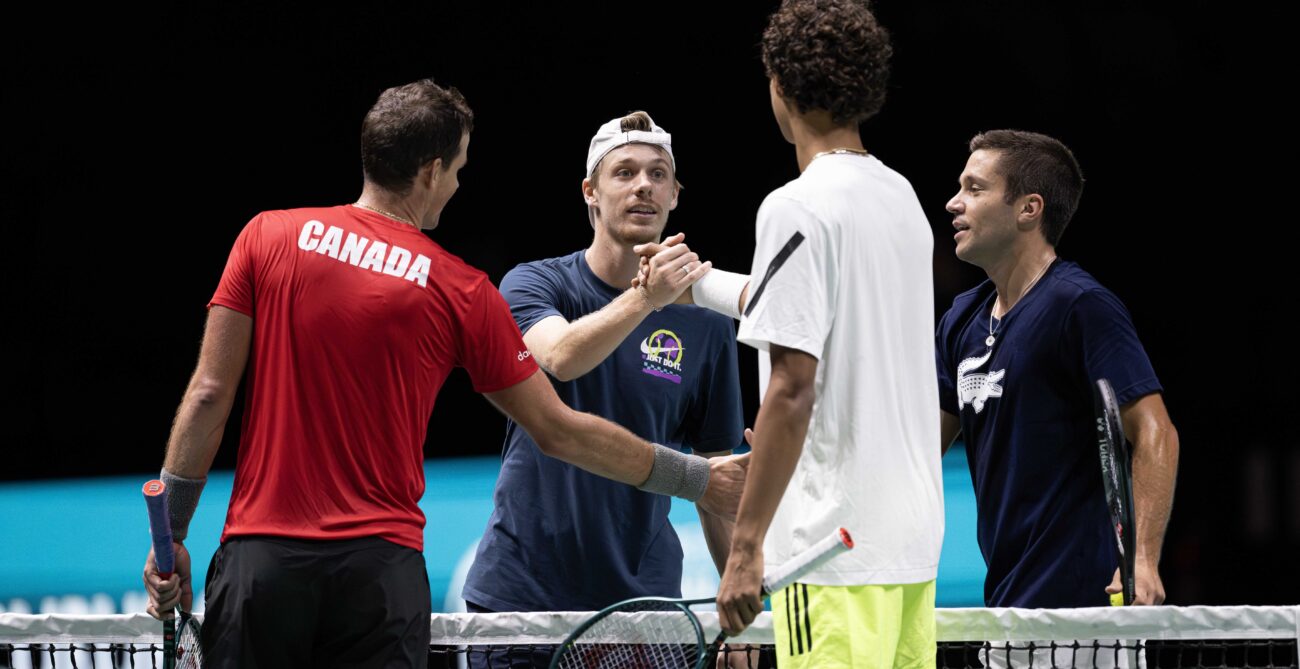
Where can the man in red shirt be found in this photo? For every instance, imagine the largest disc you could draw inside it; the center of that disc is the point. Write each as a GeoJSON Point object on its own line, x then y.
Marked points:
{"type": "Point", "coordinates": [348, 320]}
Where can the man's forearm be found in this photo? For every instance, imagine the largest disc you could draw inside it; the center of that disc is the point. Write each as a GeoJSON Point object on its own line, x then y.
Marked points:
{"type": "Point", "coordinates": [949, 428]}
{"type": "Point", "coordinates": [580, 439]}
{"type": "Point", "coordinates": [717, 536]}
{"type": "Point", "coordinates": [586, 342]}
{"type": "Point", "coordinates": [600, 447]}
{"type": "Point", "coordinates": [605, 449]}
{"type": "Point", "coordinates": [779, 433]}
{"type": "Point", "coordinates": [1155, 467]}
{"type": "Point", "coordinates": [201, 418]}
{"type": "Point", "coordinates": [717, 533]}
{"type": "Point", "coordinates": [196, 433]}
{"type": "Point", "coordinates": [720, 291]}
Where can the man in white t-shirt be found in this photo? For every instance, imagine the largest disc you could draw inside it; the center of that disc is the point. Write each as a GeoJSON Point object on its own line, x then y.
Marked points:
{"type": "Point", "coordinates": [840, 303]}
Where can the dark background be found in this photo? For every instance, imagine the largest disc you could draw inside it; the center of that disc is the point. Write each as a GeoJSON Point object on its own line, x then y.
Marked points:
{"type": "Point", "coordinates": [139, 144]}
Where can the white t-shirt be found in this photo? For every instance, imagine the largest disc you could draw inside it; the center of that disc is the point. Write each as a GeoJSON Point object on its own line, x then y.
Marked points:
{"type": "Point", "coordinates": [857, 293]}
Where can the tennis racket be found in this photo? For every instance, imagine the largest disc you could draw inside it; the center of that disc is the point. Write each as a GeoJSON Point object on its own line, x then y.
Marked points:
{"type": "Point", "coordinates": [663, 633]}
{"type": "Point", "coordinates": [180, 650]}
{"type": "Point", "coordinates": [1117, 480]}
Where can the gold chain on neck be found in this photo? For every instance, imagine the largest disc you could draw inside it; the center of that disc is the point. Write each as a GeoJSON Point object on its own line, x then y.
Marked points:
{"type": "Point", "coordinates": [389, 214]}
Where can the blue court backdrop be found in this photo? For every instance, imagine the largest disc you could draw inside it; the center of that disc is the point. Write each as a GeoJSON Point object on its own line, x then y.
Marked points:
{"type": "Point", "coordinates": [78, 545]}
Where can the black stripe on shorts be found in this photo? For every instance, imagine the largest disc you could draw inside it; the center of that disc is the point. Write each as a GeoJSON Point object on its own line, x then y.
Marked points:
{"type": "Point", "coordinates": [807, 622]}
{"type": "Point", "coordinates": [798, 631]}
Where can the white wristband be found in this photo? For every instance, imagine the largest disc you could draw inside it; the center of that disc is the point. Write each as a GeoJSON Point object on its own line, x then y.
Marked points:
{"type": "Point", "coordinates": [720, 291]}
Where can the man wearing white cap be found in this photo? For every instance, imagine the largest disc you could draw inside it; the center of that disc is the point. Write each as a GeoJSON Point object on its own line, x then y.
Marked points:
{"type": "Point", "coordinates": [321, 558]}
{"type": "Point", "coordinates": [560, 538]}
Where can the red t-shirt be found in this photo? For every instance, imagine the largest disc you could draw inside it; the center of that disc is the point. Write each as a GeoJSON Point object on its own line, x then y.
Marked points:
{"type": "Point", "coordinates": [357, 320]}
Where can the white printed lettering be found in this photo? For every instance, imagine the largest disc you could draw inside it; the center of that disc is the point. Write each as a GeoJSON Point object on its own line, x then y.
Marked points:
{"type": "Point", "coordinates": [398, 259]}
{"type": "Point", "coordinates": [307, 240]}
{"type": "Point", "coordinates": [360, 252]}
{"type": "Point", "coordinates": [374, 259]}
{"type": "Point", "coordinates": [353, 247]}
{"type": "Point", "coordinates": [419, 271]}
{"type": "Point", "coordinates": [329, 244]}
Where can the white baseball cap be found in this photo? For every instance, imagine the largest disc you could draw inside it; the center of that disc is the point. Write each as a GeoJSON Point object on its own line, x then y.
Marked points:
{"type": "Point", "coordinates": [611, 135]}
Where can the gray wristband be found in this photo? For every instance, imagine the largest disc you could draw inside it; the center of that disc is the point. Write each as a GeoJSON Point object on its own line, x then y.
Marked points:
{"type": "Point", "coordinates": [182, 498]}
{"type": "Point", "coordinates": [677, 474]}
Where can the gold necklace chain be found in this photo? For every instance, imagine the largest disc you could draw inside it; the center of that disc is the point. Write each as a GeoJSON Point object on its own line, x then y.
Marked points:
{"type": "Point", "coordinates": [841, 150]}
{"type": "Point", "coordinates": [389, 214]}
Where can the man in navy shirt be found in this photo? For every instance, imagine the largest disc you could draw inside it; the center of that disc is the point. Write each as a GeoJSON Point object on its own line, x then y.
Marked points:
{"type": "Point", "coordinates": [560, 538]}
{"type": "Point", "coordinates": [1017, 357]}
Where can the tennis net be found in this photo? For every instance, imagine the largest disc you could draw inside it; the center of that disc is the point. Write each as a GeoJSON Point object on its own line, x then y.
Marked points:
{"type": "Point", "coordinates": [1197, 636]}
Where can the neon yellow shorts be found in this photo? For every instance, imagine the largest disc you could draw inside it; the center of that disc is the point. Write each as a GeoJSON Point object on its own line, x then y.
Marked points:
{"type": "Point", "coordinates": [854, 626]}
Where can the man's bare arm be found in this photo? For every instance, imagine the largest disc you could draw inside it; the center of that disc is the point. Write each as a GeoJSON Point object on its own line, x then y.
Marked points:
{"type": "Point", "coordinates": [580, 439]}
{"type": "Point", "coordinates": [196, 436]}
{"type": "Point", "coordinates": [723, 290]}
{"type": "Point", "coordinates": [603, 448]}
{"type": "Point", "coordinates": [1155, 468]}
{"type": "Point", "coordinates": [949, 428]}
{"type": "Point", "coordinates": [779, 433]}
{"type": "Point", "coordinates": [567, 350]}
{"type": "Point", "coordinates": [201, 418]}
{"type": "Point", "coordinates": [717, 531]}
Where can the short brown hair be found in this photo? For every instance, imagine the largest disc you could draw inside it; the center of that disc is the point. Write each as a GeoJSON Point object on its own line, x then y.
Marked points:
{"type": "Point", "coordinates": [829, 54]}
{"type": "Point", "coordinates": [637, 120]}
{"type": "Point", "coordinates": [1031, 162]}
{"type": "Point", "coordinates": [411, 126]}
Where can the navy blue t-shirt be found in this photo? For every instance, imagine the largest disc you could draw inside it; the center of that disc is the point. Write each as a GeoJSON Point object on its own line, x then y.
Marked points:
{"type": "Point", "coordinates": [562, 539]}
{"type": "Point", "coordinates": [1027, 420]}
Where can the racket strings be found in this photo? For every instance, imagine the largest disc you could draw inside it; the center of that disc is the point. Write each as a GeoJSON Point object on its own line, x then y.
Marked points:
{"type": "Point", "coordinates": [189, 654]}
{"type": "Point", "coordinates": [646, 634]}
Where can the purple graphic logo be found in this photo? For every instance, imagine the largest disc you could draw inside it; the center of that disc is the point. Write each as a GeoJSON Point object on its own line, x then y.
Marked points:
{"type": "Point", "coordinates": [661, 354]}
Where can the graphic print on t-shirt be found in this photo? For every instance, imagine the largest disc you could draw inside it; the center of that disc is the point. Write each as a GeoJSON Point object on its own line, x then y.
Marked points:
{"type": "Point", "coordinates": [976, 389]}
{"type": "Point", "coordinates": [662, 353]}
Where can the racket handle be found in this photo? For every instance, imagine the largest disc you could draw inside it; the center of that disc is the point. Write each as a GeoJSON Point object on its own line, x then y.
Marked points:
{"type": "Point", "coordinates": [160, 527]}
{"type": "Point", "coordinates": [815, 556]}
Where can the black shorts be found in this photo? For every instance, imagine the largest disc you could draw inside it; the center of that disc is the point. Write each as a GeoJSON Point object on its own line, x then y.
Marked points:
{"type": "Point", "coordinates": [276, 602]}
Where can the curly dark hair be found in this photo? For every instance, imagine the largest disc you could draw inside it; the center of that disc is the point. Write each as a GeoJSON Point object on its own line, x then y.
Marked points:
{"type": "Point", "coordinates": [829, 54]}
{"type": "Point", "coordinates": [1035, 163]}
{"type": "Point", "coordinates": [408, 127]}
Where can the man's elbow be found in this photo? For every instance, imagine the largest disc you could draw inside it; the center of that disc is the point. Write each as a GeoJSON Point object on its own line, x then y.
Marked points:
{"type": "Point", "coordinates": [794, 398]}
{"type": "Point", "coordinates": [208, 392]}
{"type": "Point", "coordinates": [1169, 441]}
{"type": "Point", "coordinates": [1159, 434]}
{"type": "Point", "coordinates": [560, 367]}
{"type": "Point", "coordinates": [561, 373]}
{"type": "Point", "coordinates": [556, 436]}
{"type": "Point", "coordinates": [558, 447]}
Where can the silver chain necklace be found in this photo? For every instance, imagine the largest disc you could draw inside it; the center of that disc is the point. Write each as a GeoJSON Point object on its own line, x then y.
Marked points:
{"type": "Point", "coordinates": [993, 307]}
